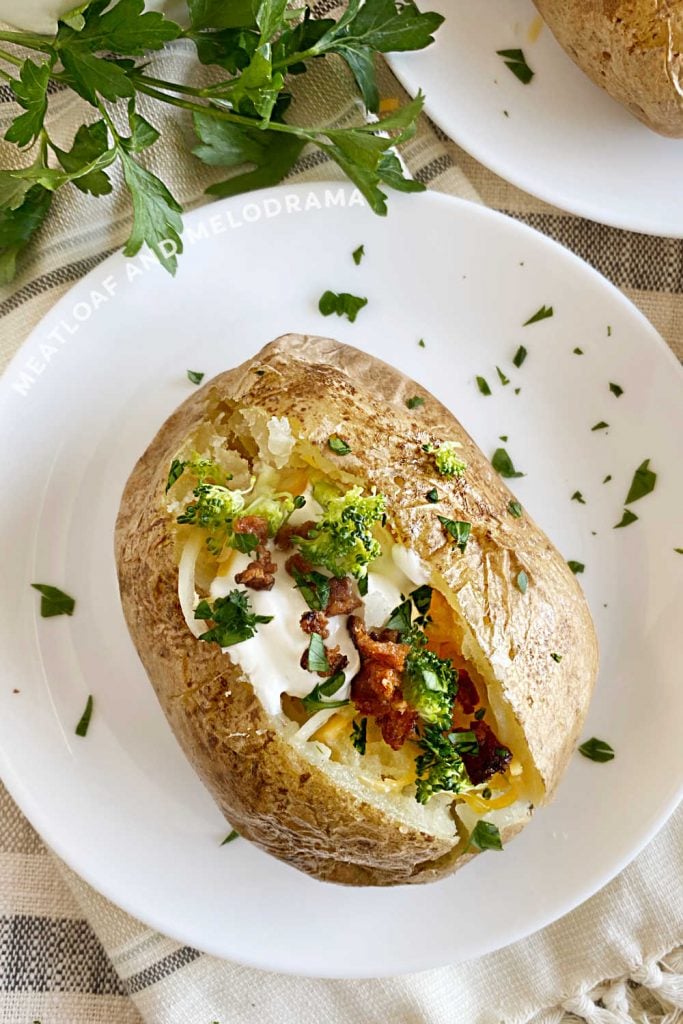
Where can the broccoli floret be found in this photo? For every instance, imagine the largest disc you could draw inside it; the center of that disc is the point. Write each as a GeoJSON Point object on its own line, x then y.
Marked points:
{"type": "Point", "coordinates": [440, 768]}
{"type": "Point", "coordinates": [214, 510]}
{"type": "Point", "coordinates": [430, 684]}
{"type": "Point", "coordinates": [446, 458]}
{"type": "Point", "coordinates": [207, 471]}
{"type": "Point", "coordinates": [342, 540]}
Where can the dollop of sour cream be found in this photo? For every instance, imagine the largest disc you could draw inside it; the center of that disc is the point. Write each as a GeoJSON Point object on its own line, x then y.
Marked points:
{"type": "Point", "coordinates": [271, 659]}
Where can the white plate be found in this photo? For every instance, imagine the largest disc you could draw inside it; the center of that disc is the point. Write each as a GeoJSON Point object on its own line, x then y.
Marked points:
{"type": "Point", "coordinates": [564, 139]}
{"type": "Point", "coordinates": [122, 806]}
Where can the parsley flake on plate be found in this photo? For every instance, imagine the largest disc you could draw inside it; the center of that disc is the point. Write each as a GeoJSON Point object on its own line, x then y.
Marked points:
{"type": "Point", "coordinates": [597, 750]}
{"type": "Point", "coordinates": [231, 836]}
{"type": "Point", "coordinates": [341, 303]}
{"type": "Point", "coordinates": [643, 483]}
{"type": "Point", "coordinates": [421, 343]}
{"type": "Point", "coordinates": [358, 254]}
{"type": "Point", "coordinates": [600, 426]}
{"type": "Point", "coordinates": [556, 657]}
{"type": "Point", "coordinates": [502, 463]}
{"type": "Point", "coordinates": [576, 567]}
{"type": "Point", "coordinates": [53, 601]}
{"type": "Point", "coordinates": [541, 314]}
{"type": "Point", "coordinates": [578, 496]}
{"type": "Point", "coordinates": [520, 356]}
{"type": "Point", "coordinates": [195, 376]}
{"type": "Point", "coordinates": [626, 520]}
{"type": "Point", "coordinates": [483, 386]}
{"type": "Point", "coordinates": [516, 62]}
{"type": "Point", "coordinates": [578, 351]}
{"type": "Point", "coordinates": [616, 389]}
{"type": "Point", "coordinates": [84, 722]}
{"type": "Point", "coordinates": [501, 376]}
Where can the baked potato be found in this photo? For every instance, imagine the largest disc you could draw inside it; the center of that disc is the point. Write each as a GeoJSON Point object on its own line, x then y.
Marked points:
{"type": "Point", "coordinates": [374, 659]}
{"type": "Point", "coordinates": [632, 48]}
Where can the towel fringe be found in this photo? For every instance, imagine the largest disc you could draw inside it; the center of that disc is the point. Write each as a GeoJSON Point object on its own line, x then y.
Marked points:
{"type": "Point", "coordinates": [651, 993]}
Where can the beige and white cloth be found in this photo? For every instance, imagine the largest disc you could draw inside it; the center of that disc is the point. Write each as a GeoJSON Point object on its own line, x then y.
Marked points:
{"type": "Point", "coordinates": [67, 956]}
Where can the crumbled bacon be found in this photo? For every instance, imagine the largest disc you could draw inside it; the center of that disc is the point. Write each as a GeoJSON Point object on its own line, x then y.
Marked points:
{"type": "Point", "coordinates": [491, 758]}
{"type": "Point", "coordinates": [385, 652]}
{"type": "Point", "coordinates": [342, 599]}
{"type": "Point", "coordinates": [467, 696]}
{"type": "Point", "coordinates": [376, 691]}
{"type": "Point", "coordinates": [297, 564]}
{"type": "Point", "coordinates": [314, 622]}
{"type": "Point", "coordinates": [283, 537]}
{"type": "Point", "coordinates": [335, 659]}
{"type": "Point", "coordinates": [259, 573]}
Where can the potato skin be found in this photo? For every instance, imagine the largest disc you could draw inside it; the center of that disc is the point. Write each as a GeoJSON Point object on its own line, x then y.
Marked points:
{"type": "Point", "coordinates": [631, 48]}
{"type": "Point", "coordinates": [266, 790]}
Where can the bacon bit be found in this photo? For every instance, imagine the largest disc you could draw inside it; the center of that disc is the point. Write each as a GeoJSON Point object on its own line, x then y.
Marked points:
{"type": "Point", "coordinates": [467, 696]}
{"type": "Point", "coordinates": [342, 598]}
{"type": "Point", "coordinates": [385, 652]}
{"type": "Point", "coordinates": [260, 573]}
{"type": "Point", "coordinates": [297, 563]}
{"type": "Point", "coordinates": [314, 622]}
{"type": "Point", "coordinates": [253, 524]}
{"type": "Point", "coordinates": [376, 691]}
{"type": "Point", "coordinates": [492, 758]}
{"type": "Point", "coordinates": [335, 659]}
{"type": "Point", "coordinates": [283, 537]}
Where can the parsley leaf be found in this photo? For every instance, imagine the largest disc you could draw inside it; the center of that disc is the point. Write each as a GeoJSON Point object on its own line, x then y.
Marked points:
{"type": "Point", "coordinates": [515, 509]}
{"type": "Point", "coordinates": [53, 601]}
{"type": "Point", "coordinates": [626, 520]}
{"type": "Point", "coordinates": [123, 28]}
{"type": "Point", "coordinates": [401, 618]}
{"type": "Point", "coordinates": [313, 701]}
{"type": "Point", "coordinates": [317, 655]}
{"type": "Point", "coordinates": [338, 445]}
{"type": "Point", "coordinates": [541, 314]}
{"type": "Point", "coordinates": [31, 93]}
{"type": "Point", "coordinates": [502, 463]}
{"type": "Point", "coordinates": [432, 496]}
{"type": "Point", "coordinates": [520, 356]}
{"type": "Point", "coordinates": [577, 351]}
{"type": "Point", "coordinates": [597, 750]}
{"type": "Point", "coordinates": [483, 386]}
{"type": "Point", "coordinates": [459, 531]}
{"type": "Point", "coordinates": [156, 214]}
{"type": "Point", "coordinates": [578, 496]}
{"type": "Point", "coordinates": [90, 146]}
{"type": "Point", "coordinates": [359, 734]}
{"type": "Point", "coordinates": [195, 376]}
{"type": "Point", "coordinates": [18, 225]}
{"type": "Point", "coordinates": [485, 836]}
{"type": "Point", "coordinates": [576, 567]}
{"type": "Point", "coordinates": [314, 587]}
{"type": "Point", "coordinates": [342, 303]}
{"type": "Point", "coordinates": [616, 390]}
{"type": "Point", "coordinates": [414, 402]}
{"type": "Point", "coordinates": [556, 657]}
{"type": "Point", "coordinates": [600, 426]}
{"type": "Point", "coordinates": [271, 155]}
{"type": "Point", "coordinates": [231, 836]}
{"type": "Point", "coordinates": [516, 62]}
{"type": "Point", "coordinates": [233, 619]}
{"type": "Point", "coordinates": [174, 473]}
{"type": "Point", "coordinates": [643, 483]}
{"type": "Point", "coordinates": [84, 722]}
{"type": "Point", "coordinates": [358, 254]}
{"type": "Point", "coordinates": [501, 376]}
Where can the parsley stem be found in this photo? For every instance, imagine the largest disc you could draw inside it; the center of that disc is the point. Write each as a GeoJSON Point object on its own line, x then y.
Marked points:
{"type": "Point", "coordinates": [6, 75]}
{"type": "Point", "coordinates": [188, 90]}
{"type": "Point", "coordinates": [27, 39]}
{"type": "Point", "coordinates": [10, 58]}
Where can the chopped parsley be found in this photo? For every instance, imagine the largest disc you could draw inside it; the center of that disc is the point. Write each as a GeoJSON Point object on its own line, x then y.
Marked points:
{"type": "Point", "coordinates": [616, 390]}
{"type": "Point", "coordinates": [578, 351]}
{"type": "Point", "coordinates": [313, 701]}
{"type": "Point", "coordinates": [401, 618]}
{"type": "Point", "coordinates": [607, 478]}
{"type": "Point", "coordinates": [233, 619]}
{"type": "Point", "coordinates": [597, 750]}
{"type": "Point", "coordinates": [485, 836]}
{"type": "Point", "coordinates": [421, 343]}
{"type": "Point", "coordinates": [317, 655]}
{"type": "Point", "coordinates": [84, 723]}
{"type": "Point", "coordinates": [174, 473]}
{"type": "Point", "coordinates": [502, 463]}
{"type": "Point", "coordinates": [503, 437]}
{"type": "Point", "coordinates": [578, 496]}
{"type": "Point", "coordinates": [53, 601]}
{"type": "Point", "coordinates": [422, 598]}
{"type": "Point", "coordinates": [483, 386]}
{"type": "Point", "coordinates": [517, 390]}
{"type": "Point", "coordinates": [515, 509]}
{"type": "Point", "coordinates": [679, 551]}
{"type": "Point", "coordinates": [609, 331]}
{"type": "Point", "coordinates": [341, 303]}
{"type": "Point", "coordinates": [432, 496]}
{"type": "Point", "coordinates": [643, 483]}
{"type": "Point", "coordinates": [576, 567]}
{"type": "Point", "coordinates": [626, 520]}
{"type": "Point", "coordinates": [245, 542]}
{"type": "Point", "coordinates": [314, 588]}
{"type": "Point", "coordinates": [556, 657]}
{"type": "Point", "coordinates": [358, 254]}
{"type": "Point", "coordinates": [522, 582]}
{"type": "Point", "coordinates": [231, 836]}
{"type": "Point", "coordinates": [516, 62]}
{"type": "Point", "coordinates": [520, 356]}
{"type": "Point", "coordinates": [414, 402]}
{"type": "Point", "coordinates": [600, 426]}
{"type": "Point", "coordinates": [338, 445]}
{"type": "Point", "coordinates": [459, 531]}
{"type": "Point", "coordinates": [501, 376]}
{"type": "Point", "coordinates": [465, 742]}
{"type": "Point", "coordinates": [195, 376]}
{"type": "Point", "coordinates": [541, 314]}
{"type": "Point", "coordinates": [359, 735]}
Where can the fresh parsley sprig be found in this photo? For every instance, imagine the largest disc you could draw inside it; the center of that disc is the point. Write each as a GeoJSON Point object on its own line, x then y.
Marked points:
{"type": "Point", "coordinates": [241, 120]}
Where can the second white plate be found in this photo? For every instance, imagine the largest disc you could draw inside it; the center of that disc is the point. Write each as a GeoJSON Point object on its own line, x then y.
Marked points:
{"type": "Point", "coordinates": [561, 138]}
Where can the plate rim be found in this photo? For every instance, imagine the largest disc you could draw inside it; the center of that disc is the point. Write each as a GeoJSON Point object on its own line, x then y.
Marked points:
{"type": "Point", "coordinates": [31, 806]}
